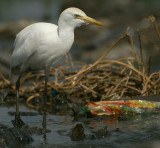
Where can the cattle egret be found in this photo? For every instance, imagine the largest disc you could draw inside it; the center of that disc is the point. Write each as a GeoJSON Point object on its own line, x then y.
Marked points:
{"type": "Point", "coordinates": [40, 45]}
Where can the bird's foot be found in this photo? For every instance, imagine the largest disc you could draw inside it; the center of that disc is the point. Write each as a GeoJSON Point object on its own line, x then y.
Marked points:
{"type": "Point", "coordinates": [17, 122]}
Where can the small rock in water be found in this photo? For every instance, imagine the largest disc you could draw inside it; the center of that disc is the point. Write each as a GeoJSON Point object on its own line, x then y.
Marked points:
{"type": "Point", "coordinates": [78, 133]}
{"type": "Point", "coordinates": [15, 136]}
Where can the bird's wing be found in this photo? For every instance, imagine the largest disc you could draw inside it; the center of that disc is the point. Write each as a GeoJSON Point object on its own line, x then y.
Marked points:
{"type": "Point", "coordinates": [23, 48]}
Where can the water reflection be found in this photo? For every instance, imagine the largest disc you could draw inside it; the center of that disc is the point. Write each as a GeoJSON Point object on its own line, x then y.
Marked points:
{"type": "Point", "coordinates": [132, 130]}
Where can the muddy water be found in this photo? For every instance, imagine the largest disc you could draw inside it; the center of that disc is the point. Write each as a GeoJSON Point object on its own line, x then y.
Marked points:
{"type": "Point", "coordinates": [124, 132]}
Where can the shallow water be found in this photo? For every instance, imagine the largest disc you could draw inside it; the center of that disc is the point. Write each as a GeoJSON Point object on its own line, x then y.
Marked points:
{"type": "Point", "coordinates": [125, 132]}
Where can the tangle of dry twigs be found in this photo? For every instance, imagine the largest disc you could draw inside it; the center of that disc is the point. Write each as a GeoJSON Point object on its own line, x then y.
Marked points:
{"type": "Point", "coordinates": [102, 80]}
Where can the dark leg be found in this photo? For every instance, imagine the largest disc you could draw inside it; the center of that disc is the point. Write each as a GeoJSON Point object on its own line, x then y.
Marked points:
{"type": "Point", "coordinates": [45, 103]}
{"type": "Point", "coordinates": [17, 99]}
{"type": "Point", "coordinates": [18, 122]}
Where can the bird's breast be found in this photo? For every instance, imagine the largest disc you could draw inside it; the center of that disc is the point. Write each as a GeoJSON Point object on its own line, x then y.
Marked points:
{"type": "Point", "coordinates": [48, 52]}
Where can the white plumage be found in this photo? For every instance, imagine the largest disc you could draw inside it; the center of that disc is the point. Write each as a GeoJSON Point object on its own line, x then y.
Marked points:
{"type": "Point", "coordinates": [39, 45]}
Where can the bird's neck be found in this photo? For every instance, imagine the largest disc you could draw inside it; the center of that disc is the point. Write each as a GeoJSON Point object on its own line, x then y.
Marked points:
{"type": "Point", "coordinates": [65, 31]}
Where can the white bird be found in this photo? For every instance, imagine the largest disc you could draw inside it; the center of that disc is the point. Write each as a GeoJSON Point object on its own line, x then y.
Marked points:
{"type": "Point", "coordinates": [40, 45]}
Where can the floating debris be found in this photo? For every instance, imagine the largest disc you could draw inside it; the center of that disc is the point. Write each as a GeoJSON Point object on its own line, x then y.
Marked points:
{"type": "Point", "coordinates": [121, 107]}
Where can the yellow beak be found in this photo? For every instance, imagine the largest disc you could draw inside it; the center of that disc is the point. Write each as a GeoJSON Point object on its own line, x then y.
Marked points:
{"type": "Point", "coordinates": [90, 20]}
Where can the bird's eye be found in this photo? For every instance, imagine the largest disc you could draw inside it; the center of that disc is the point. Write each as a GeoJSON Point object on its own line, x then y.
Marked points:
{"type": "Point", "coordinates": [76, 16]}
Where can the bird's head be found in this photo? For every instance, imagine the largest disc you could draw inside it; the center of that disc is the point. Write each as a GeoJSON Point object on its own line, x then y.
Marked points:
{"type": "Point", "coordinates": [75, 17]}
